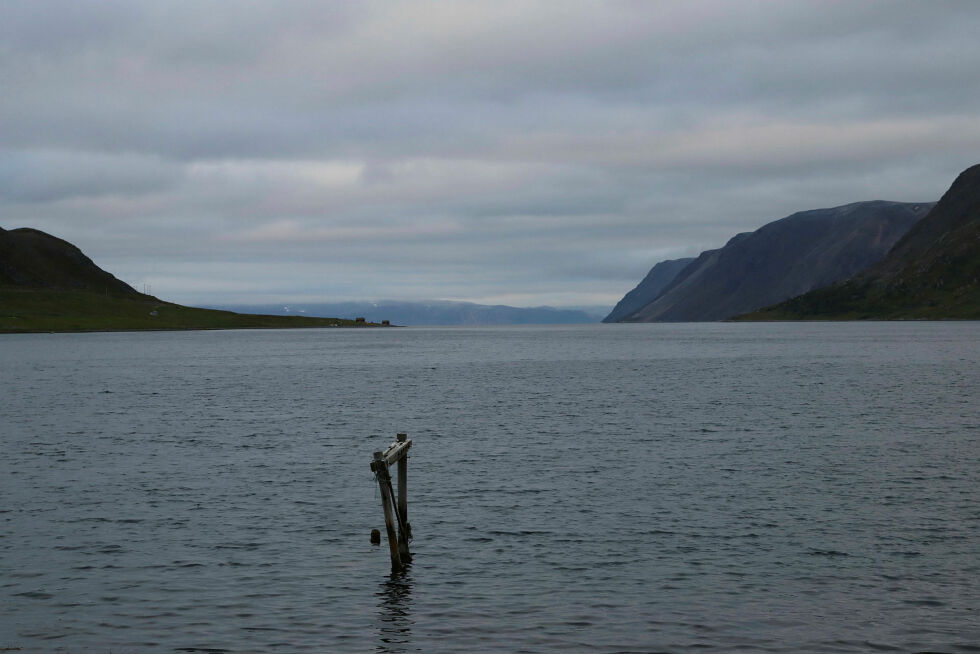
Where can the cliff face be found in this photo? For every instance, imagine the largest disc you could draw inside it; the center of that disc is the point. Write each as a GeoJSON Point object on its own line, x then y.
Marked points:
{"type": "Point", "coordinates": [783, 259]}
{"type": "Point", "coordinates": [30, 258]}
{"type": "Point", "coordinates": [932, 272]}
{"type": "Point", "coordinates": [647, 291]}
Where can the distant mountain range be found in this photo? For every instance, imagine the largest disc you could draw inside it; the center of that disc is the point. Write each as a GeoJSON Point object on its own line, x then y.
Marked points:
{"type": "Point", "coordinates": [425, 313]}
{"type": "Point", "coordinates": [931, 273]}
{"type": "Point", "coordinates": [780, 260]}
{"type": "Point", "coordinates": [47, 283]}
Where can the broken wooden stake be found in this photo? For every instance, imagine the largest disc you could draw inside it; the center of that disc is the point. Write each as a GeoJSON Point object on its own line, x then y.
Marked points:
{"type": "Point", "coordinates": [396, 513]}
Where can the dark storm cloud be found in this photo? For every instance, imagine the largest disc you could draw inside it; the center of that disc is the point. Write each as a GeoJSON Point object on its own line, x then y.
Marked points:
{"type": "Point", "coordinates": [513, 151]}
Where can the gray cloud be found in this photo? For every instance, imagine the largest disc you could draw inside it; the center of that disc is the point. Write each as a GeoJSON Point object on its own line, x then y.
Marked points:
{"type": "Point", "coordinates": [525, 151]}
{"type": "Point", "coordinates": [40, 176]}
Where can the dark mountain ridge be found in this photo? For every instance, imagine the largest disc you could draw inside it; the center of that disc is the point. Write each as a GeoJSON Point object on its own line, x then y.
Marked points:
{"type": "Point", "coordinates": [782, 259]}
{"type": "Point", "coordinates": [932, 272]}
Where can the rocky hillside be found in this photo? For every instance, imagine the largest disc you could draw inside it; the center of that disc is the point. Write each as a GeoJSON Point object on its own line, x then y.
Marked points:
{"type": "Point", "coordinates": [782, 259]}
{"type": "Point", "coordinates": [931, 273]}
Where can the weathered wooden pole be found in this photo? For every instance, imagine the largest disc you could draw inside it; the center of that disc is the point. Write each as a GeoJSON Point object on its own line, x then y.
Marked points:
{"type": "Point", "coordinates": [380, 467]}
{"type": "Point", "coordinates": [396, 511]}
{"type": "Point", "coordinates": [403, 491]}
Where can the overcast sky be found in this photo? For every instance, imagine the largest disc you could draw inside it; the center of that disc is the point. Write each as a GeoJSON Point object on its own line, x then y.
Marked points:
{"type": "Point", "coordinates": [522, 153]}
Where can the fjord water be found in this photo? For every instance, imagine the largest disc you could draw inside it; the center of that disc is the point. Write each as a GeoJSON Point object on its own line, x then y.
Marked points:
{"type": "Point", "coordinates": [606, 488]}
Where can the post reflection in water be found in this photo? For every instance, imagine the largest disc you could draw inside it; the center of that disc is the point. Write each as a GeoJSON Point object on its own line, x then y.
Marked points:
{"type": "Point", "coordinates": [394, 613]}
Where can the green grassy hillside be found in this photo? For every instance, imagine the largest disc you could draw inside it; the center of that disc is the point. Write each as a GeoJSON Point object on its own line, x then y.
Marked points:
{"type": "Point", "coordinates": [862, 300]}
{"type": "Point", "coordinates": [49, 285]}
{"type": "Point", "coordinates": [24, 309]}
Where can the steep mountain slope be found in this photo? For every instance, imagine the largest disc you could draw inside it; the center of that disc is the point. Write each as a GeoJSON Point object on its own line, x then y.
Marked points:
{"type": "Point", "coordinates": [647, 291]}
{"type": "Point", "coordinates": [32, 258]}
{"type": "Point", "coordinates": [932, 272]}
{"type": "Point", "coordinates": [783, 259]}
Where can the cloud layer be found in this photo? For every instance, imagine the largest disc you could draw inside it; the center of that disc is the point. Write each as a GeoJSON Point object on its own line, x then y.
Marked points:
{"type": "Point", "coordinates": [518, 152]}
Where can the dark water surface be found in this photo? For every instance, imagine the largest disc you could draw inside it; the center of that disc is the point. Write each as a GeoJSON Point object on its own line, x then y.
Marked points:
{"type": "Point", "coordinates": [606, 488]}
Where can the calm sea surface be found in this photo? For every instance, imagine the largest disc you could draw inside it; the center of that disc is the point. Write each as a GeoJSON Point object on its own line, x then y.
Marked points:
{"type": "Point", "coordinates": [602, 488]}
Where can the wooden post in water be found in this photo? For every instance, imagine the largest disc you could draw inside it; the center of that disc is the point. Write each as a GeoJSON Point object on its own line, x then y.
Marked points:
{"type": "Point", "coordinates": [395, 513]}
{"type": "Point", "coordinates": [403, 491]}
{"type": "Point", "coordinates": [384, 481]}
